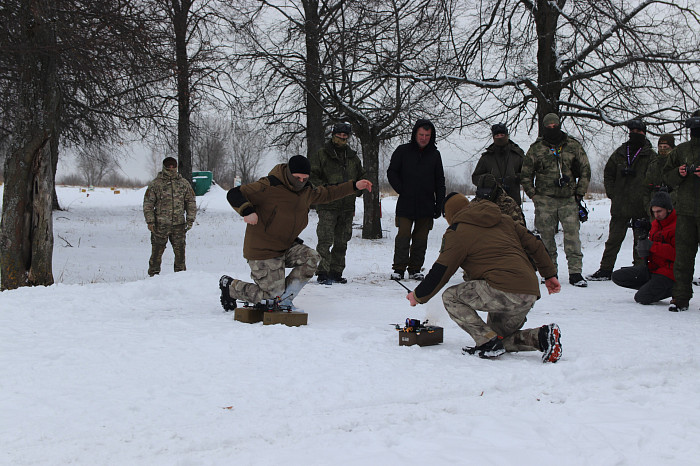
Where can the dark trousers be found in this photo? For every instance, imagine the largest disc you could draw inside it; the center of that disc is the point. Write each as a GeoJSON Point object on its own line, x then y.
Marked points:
{"type": "Point", "coordinates": [687, 239]}
{"type": "Point", "coordinates": [652, 287]}
{"type": "Point", "coordinates": [410, 243]}
{"type": "Point", "coordinates": [617, 231]}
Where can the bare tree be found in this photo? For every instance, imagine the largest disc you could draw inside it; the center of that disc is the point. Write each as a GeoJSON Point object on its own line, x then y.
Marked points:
{"type": "Point", "coordinates": [248, 145]}
{"type": "Point", "coordinates": [601, 62]}
{"type": "Point", "coordinates": [209, 142]}
{"type": "Point", "coordinates": [96, 161]}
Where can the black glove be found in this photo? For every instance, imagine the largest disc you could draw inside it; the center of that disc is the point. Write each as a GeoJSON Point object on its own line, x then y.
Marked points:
{"type": "Point", "coordinates": [643, 247]}
{"type": "Point", "coordinates": [578, 198]}
{"type": "Point", "coordinates": [437, 211]}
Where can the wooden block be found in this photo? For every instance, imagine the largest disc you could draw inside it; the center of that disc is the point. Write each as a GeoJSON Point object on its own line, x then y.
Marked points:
{"type": "Point", "coordinates": [248, 315]}
{"type": "Point", "coordinates": [290, 319]}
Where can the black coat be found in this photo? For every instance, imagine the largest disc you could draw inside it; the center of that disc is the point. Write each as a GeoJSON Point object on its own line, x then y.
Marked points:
{"type": "Point", "coordinates": [505, 164]}
{"type": "Point", "coordinates": [418, 177]}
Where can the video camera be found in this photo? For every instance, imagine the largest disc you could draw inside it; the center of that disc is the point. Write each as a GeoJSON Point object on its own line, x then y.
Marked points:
{"type": "Point", "coordinates": [690, 169]}
{"type": "Point", "coordinates": [641, 227]}
{"type": "Point", "coordinates": [693, 122]}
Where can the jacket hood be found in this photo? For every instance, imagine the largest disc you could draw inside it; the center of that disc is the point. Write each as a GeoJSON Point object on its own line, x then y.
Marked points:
{"type": "Point", "coordinates": [419, 124]}
{"type": "Point", "coordinates": [280, 172]}
{"type": "Point", "coordinates": [168, 175]}
{"type": "Point", "coordinates": [483, 214]}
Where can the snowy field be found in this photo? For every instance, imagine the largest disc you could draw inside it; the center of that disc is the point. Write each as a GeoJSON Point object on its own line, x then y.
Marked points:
{"type": "Point", "coordinates": [110, 367]}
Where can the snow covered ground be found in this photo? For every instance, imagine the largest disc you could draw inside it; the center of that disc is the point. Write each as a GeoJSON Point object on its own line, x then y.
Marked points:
{"type": "Point", "coordinates": [110, 367]}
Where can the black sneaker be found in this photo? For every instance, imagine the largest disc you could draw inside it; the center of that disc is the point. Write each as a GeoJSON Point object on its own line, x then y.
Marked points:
{"type": "Point", "coordinates": [491, 349]}
{"type": "Point", "coordinates": [677, 306]}
{"type": "Point", "coordinates": [396, 275]}
{"type": "Point", "coordinates": [601, 276]}
{"type": "Point", "coordinates": [577, 280]}
{"type": "Point", "coordinates": [338, 278]}
{"type": "Point", "coordinates": [550, 344]}
{"type": "Point", "coordinates": [416, 276]}
{"type": "Point", "coordinates": [324, 279]}
{"type": "Point", "coordinates": [228, 303]}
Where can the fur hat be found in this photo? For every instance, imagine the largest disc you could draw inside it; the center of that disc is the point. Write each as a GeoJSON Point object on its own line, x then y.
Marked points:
{"type": "Point", "coordinates": [499, 128]}
{"type": "Point", "coordinates": [661, 199]}
{"type": "Point", "coordinates": [637, 124]}
{"type": "Point", "coordinates": [343, 127]}
{"type": "Point", "coordinates": [299, 164]}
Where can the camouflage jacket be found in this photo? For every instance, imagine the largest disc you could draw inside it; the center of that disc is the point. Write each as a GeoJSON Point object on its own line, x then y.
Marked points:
{"type": "Point", "coordinates": [688, 187]}
{"type": "Point", "coordinates": [545, 164]}
{"type": "Point", "coordinates": [624, 179]}
{"type": "Point", "coordinates": [168, 198]}
{"type": "Point", "coordinates": [508, 206]}
{"type": "Point", "coordinates": [331, 166]}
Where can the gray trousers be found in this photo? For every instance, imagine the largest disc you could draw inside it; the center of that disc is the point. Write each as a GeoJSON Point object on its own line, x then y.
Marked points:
{"type": "Point", "coordinates": [507, 313]}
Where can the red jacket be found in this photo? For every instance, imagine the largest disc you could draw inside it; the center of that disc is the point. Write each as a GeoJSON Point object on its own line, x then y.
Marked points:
{"type": "Point", "coordinates": [663, 251]}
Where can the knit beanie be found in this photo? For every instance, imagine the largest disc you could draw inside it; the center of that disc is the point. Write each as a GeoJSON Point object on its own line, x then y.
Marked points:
{"type": "Point", "coordinates": [299, 164]}
{"type": "Point", "coordinates": [551, 118]}
{"type": "Point", "coordinates": [169, 161]}
{"type": "Point", "coordinates": [667, 139]}
{"type": "Point", "coordinates": [661, 199]}
{"type": "Point", "coordinates": [454, 202]}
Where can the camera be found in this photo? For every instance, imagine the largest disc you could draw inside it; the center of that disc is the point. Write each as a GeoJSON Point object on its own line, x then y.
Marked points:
{"type": "Point", "coordinates": [693, 122]}
{"type": "Point", "coordinates": [563, 181]}
{"type": "Point", "coordinates": [628, 171]}
{"type": "Point", "coordinates": [641, 227]}
{"type": "Point", "coordinates": [690, 169]}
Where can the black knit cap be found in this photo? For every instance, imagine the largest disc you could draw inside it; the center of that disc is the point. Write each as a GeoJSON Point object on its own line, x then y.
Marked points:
{"type": "Point", "coordinates": [661, 199]}
{"type": "Point", "coordinates": [637, 124]}
{"type": "Point", "coordinates": [299, 164]}
{"type": "Point", "coordinates": [667, 139]}
{"type": "Point", "coordinates": [499, 128]}
{"type": "Point", "coordinates": [169, 161]}
{"type": "Point", "coordinates": [343, 127]}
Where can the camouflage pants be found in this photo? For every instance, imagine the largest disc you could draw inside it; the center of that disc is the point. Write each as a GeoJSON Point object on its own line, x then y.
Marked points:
{"type": "Point", "coordinates": [687, 238]}
{"type": "Point", "coordinates": [507, 313]}
{"type": "Point", "coordinates": [268, 275]}
{"type": "Point", "coordinates": [409, 247]}
{"type": "Point", "coordinates": [334, 229]}
{"type": "Point", "coordinates": [616, 235]}
{"type": "Point", "coordinates": [549, 213]}
{"type": "Point", "coordinates": [159, 240]}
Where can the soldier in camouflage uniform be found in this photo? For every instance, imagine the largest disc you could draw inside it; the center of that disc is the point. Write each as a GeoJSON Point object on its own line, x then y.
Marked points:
{"type": "Point", "coordinates": [489, 189]}
{"type": "Point", "coordinates": [493, 252]}
{"type": "Point", "coordinates": [170, 208]}
{"type": "Point", "coordinates": [335, 163]}
{"type": "Point", "coordinates": [624, 178]}
{"type": "Point", "coordinates": [276, 209]}
{"type": "Point", "coordinates": [562, 172]}
{"type": "Point", "coordinates": [681, 172]}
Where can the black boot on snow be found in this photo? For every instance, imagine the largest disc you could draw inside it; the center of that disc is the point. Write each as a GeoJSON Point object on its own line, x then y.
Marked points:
{"type": "Point", "coordinates": [228, 303]}
{"type": "Point", "coordinates": [489, 350]}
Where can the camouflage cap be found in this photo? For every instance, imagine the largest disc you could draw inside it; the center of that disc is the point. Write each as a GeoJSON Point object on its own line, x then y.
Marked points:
{"type": "Point", "coordinates": [551, 118]}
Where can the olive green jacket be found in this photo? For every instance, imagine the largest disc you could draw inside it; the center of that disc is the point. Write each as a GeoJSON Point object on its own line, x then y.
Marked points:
{"type": "Point", "coordinates": [330, 166]}
{"type": "Point", "coordinates": [545, 164]}
{"type": "Point", "coordinates": [629, 192]}
{"type": "Point", "coordinates": [688, 187]}
{"type": "Point", "coordinates": [169, 197]}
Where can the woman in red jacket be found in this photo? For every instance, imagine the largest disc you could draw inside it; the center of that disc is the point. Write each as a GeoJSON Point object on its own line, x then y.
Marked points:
{"type": "Point", "coordinates": [655, 279]}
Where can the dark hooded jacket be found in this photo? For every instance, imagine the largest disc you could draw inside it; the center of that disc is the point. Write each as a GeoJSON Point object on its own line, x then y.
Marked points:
{"type": "Point", "coordinates": [283, 211]}
{"type": "Point", "coordinates": [505, 163]}
{"type": "Point", "coordinates": [489, 246]}
{"type": "Point", "coordinates": [417, 176]}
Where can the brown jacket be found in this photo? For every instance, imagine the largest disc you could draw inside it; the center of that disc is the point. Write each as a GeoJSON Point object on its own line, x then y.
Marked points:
{"type": "Point", "coordinates": [488, 246]}
{"type": "Point", "coordinates": [283, 213]}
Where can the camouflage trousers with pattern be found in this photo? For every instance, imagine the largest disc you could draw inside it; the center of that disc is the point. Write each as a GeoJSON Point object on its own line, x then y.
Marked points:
{"type": "Point", "coordinates": [159, 240]}
{"type": "Point", "coordinates": [334, 229]}
{"type": "Point", "coordinates": [549, 213]}
{"type": "Point", "coordinates": [269, 276]}
{"type": "Point", "coordinates": [507, 313]}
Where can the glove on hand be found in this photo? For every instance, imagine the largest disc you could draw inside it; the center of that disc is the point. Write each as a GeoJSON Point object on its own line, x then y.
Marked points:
{"type": "Point", "coordinates": [437, 212]}
{"type": "Point", "coordinates": [643, 247]}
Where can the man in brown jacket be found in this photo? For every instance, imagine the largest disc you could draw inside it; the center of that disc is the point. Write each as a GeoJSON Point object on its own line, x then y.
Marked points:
{"type": "Point", "coordinates": [499, 279]}
{"type": "Point", "coordinates": [276, 209]}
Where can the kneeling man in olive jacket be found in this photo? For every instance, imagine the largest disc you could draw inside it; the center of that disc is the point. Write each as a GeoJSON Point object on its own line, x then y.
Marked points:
{"type": "Point", "coordinates": [499, 279]}
{"type": "Point", "coordinates": [276, 209]}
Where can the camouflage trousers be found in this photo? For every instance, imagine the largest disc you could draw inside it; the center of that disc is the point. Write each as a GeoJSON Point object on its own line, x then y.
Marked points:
{"type": "Point", "coordinates": [687, 239]}
{"type": "Point", "coordinates": [507, 313]}
{"type": "Point", "coordinates": [269, 278]}
{"type": "Point", "coordinates": [334, 229]}
{"type": "Point", "coordinates": [549, 213]}
{"type": "Point", "coordinates": [159, 240]}
{"type": "Point", "coordinates": [410, 246]}
{"type": "Point", "coordinates": [616, 235]}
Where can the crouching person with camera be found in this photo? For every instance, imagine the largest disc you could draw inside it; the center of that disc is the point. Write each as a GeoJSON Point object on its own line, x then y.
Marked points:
{"type": "Point", "coordinates": [555, 175]}
{"type": "Point", "coordinates": [493, 250]}
{"type": "Point", "coordinates": [624, 180]}
{"type": "Point", "coordinates": [654, 278]}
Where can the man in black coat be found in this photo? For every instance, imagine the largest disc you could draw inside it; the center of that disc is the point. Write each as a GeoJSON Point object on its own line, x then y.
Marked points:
{"type": "Point", "coordinates": [504, 160]}
{"type": "Point", "coordinates": [416, 174]}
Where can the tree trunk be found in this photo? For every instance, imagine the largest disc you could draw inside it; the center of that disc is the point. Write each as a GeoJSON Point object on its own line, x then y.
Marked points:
{"type": "Point", "coordinates": [548, 73]}
{"type": "Point", "coordinates": [26, 240]}
{"type": "Point", "coordinates": [184, 149]}
{"type": "Point", "coordinates": [54, 167]}
{"type": "Point", "coordinates": [314, 110]}
{"type": "Point", "coordinates": [372, 222]}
